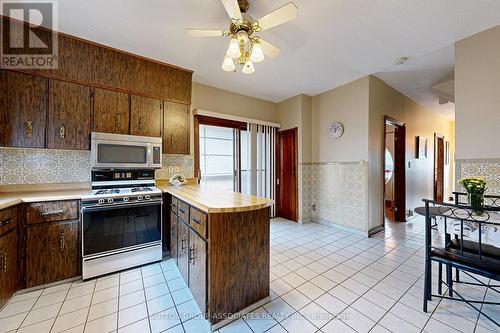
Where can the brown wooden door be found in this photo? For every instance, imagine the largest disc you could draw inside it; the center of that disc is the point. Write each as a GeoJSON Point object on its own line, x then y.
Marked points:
{"type": "Point", "coordinates": [183, 250]}
{"type": "Point", "coordinates": [198, 269]}
{"type": "Point", "coordinates": [439, 169]}
{"type": "Point", "coordinates": [400, 173]}
{"type": "Point", "coordinates": [145, 116]}
{"type": "Point", "coordinates": [111, 112]}
{"type": "Point", "coordinates": [175, 128]}
{"type": "Point", "coordinates": [23, 110]}
{"type": "Point", "coordinates": [51, 252]}
{"type": "Point", "coordinates": [69, 116]}
{"type": "Point", "coordinates": [287, 182]}
{"type": "Point", "coordinates": [9, 282]}
{"type": "Point", "coordinates": [173, 236]}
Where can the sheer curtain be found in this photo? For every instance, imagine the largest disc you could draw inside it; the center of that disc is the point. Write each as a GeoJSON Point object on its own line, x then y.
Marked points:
{"type": "Point", "coordinates": [258, 161]}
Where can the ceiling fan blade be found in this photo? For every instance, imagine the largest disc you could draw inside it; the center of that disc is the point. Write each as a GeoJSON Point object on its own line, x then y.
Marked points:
{"type": "Point", "coordinates": [281, 15]}
{"type": "Point", "coordinates": [204, 33]}
{"type": "Point", "coordinates": [269, 49]}
{"type": "Point", "coordinates": [232, 9]}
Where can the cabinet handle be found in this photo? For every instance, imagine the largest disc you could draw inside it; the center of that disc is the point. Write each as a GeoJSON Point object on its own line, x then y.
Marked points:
{"type": "Point", "coordinates": [6, 222]}
{"type": "Point", "coordinates": [53, 212]}
{"type": "Point", "coordinates": [61, 242]}
{"type": "Point", "coordinates": [183, 211]}
{"type": "Point", "coordinates": [195, 220]}
{"type": "Point", "coordinates": [173, 206]}
{"type": "Point", "coordinates": [117, 121]}
{"type": "Point", "coordinates": [62, 132]}
{"type": "Point", "coordinates": [4, 263]}
{"type": "Point", "coordinates": [171, 140]}
{"type": "Point", "coordinates": [191, 254]}
{"type": "Point", "coordinates": [28, 127]}
{"type": "Point", "coordinates": [182, 244]}
{"type": "Point", "coordinates": [140, 122]}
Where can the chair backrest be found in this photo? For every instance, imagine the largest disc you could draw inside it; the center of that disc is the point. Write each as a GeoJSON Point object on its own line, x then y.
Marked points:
{"type": "Point", "coordinates": [490, 200]}
{"type": "Point", "coordinates": [467, 233]}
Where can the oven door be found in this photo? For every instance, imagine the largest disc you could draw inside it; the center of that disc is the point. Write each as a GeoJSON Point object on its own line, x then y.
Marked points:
{"type": "Point", "coordinates": [118, 228]}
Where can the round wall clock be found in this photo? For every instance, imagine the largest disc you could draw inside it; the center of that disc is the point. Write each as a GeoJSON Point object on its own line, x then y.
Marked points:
{"type": "Point", "coordinates": [336, 130]}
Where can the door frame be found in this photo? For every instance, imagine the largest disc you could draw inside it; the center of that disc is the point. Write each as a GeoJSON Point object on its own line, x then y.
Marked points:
{"type": "Point", "coordinates": [295, 132]}
{"type": "Point", "coordinates": [399, 168]}
{"type": "Point", "coordinates": [434, 173]}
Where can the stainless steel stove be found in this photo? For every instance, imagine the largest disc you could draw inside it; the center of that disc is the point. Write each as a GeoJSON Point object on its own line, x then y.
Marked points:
{"type": "Point", "coordinates": [121, 221]}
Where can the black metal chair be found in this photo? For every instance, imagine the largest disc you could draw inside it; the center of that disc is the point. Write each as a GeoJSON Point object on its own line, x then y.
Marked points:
{"type": "Point", "coordinates": [490, 200]}
{"type": "Point", "coordinates": [457, 251]}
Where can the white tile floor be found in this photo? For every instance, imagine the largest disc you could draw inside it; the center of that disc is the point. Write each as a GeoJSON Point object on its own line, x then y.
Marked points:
{"type": "Point", "coordinates": [323, 279]}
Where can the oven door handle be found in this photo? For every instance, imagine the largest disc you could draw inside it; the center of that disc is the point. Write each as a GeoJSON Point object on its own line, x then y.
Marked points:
{"type": "Point", "coordinates": [102, 208]}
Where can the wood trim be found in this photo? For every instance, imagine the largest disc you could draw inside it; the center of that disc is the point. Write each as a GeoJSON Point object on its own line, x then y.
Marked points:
{"type": "Point", "coordinates": [204, 120]}
{"type": "Point", "coordinates": [101, 45]}
{"type": "Point", "coordinates": [375, 230]}
{"type": "Point", "coordinates": [196, 131]}
{"type": "Point", "coordinates": [435, 162]}
{"type": "Point", "coordinates": [399, 169]}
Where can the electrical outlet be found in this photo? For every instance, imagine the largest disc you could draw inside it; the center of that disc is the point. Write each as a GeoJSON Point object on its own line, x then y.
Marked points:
{"type": "Point", "coordinates": [313, 208]}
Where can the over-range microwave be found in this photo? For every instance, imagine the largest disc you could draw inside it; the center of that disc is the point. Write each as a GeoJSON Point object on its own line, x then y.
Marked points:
{"type": "Point", "coordinates": [110, 151]}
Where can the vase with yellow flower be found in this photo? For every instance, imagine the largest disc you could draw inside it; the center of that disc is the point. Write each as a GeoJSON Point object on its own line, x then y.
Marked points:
{"type": "Point", "coordinates": [475, 187]}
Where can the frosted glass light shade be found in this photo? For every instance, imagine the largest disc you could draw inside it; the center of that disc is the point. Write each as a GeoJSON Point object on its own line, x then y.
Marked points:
{"type": "Point", "coordinates": [248, 68]}
{"type": "Point", "coordinates": [228, 65]}
{"type": "Point", "coordinates": [233, 50]}
{"type": "Point", "coordinates": [257, 53]}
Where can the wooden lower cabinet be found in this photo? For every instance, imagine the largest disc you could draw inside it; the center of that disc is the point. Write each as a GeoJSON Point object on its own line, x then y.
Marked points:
{"type": "Point", "coordinates": [8, 266]}
{"type": "Point", "coordinates": [51, 252]}
{"type": "Point", "coordinates": [183, 249]}
{"type": "Point", "coordinates": [198, 269]}
{"type": "Point", "coordinates": [173, 236]}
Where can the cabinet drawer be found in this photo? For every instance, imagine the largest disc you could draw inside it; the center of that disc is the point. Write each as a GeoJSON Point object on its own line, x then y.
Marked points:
{"type": "Point", "coordinates": [183, 211]}
{"type": "Point", "coordinates": [8, 219]}
{"type": "Point", "coordinates": [198, 221]}
{"type": "Point", "coordinates": [51, 211]}
{"type": "Point", "coordinates": [174, 205]}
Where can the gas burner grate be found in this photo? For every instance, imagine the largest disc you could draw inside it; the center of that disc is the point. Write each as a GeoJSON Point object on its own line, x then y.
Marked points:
{"type": "Point", "coordinates": [108, 191]}
{"type": "Point", "coordinates": [141, 189]}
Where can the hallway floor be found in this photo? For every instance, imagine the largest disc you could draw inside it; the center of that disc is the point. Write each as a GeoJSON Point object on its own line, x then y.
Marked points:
{"type": "Point", "coordinates": [323, 279]}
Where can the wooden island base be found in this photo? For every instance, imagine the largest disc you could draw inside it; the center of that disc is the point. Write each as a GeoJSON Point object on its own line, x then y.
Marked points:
{"type": "Point", "coordinates": [223, 256]}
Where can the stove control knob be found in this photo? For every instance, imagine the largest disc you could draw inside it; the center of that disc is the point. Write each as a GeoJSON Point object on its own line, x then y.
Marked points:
{"type": "Point", "coordinates": [147, 197]}
{"type": "Point", "coordinates": [139, 198]}
{"type": "Point", "coordinates": [100, 201]}
{"type": "Point", "coordinates": [125, 199]}
{"type": "Point", "coordinates": [110, 200]}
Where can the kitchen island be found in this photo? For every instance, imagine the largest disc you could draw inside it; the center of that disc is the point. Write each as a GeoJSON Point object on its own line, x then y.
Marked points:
{"type": "Point", "coordinates": [220, 243]}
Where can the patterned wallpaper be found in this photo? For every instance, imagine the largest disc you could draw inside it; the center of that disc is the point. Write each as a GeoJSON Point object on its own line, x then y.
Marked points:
{"type": "Point", "coordinates": [338, 192]}
{"type": "Point", "coordinates": [47, 166]}
{"type": "Point", "coordinates": [488, 168]}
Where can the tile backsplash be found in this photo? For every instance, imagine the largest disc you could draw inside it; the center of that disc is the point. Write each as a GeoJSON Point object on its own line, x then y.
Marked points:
{"type": "Point", "coordinates": [47, 166]}
{"type": "Point", "coordinates": [336, 193]}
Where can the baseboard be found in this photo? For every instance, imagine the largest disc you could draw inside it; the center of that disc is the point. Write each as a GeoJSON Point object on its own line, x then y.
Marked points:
{"type": "Point", "coordinates": [338, 226]}
{"type": "Point", "coordinates": [375, 230]}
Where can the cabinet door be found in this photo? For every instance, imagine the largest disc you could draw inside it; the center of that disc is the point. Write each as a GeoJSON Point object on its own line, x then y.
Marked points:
{"type": "Point", "coordinates": [183, 250]}
{"type": "Point", "coordinates": [198, 269]}
{"type": "Point", "coordinates": [23, 110]}
{"type": "Point", "coordinates": [51, 253]}
{"type": "Point", "coordinates": [145, 116]}
{"type": "Point", "coordinates": [8, 266]}
{"type": "Point", "coordinates": [111, 112]}
{"type": "Point", "coordinates": [175, 128]}
{"type": "Point", "coordinates": [173, 236]}
{"type": "Point", "coordinates": [69, 116]}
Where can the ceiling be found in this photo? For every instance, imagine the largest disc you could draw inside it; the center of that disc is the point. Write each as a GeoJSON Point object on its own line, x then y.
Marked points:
{"type": "Point", "coordinates": [332, 42]}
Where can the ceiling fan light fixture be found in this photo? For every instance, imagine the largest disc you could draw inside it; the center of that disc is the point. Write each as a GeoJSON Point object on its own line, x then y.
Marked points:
{"type": "Point", "coordinates": [233, 50]}
{"type": "Point", "coordinates": [248, 67]}
{"type": "Point", "coordinates": [228, 65]}
{"type": "Point", "coordinates": [242, 37]}
{"type": "Point", "coordinates": [257, 54]}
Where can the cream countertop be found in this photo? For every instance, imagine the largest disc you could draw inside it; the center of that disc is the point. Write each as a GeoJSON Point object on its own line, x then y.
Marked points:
{"type": "Point", "coordinates": [214, 200]}
{"type": "Point", "coordinates": [11, 195]}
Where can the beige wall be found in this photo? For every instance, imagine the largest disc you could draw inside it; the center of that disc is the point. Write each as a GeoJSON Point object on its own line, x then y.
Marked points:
{"type": "Point", "coordinates": [419, 121]}
{"type": "Point", "coordinates": [347, 104]}
{"type": "Point", "coordinates": [477, 95]}
{"type": "Point", "coordinates": [223, 101]}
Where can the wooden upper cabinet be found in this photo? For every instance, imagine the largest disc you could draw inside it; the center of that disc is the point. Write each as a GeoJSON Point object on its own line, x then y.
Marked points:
{"type": "Point", "coordinates": [69, 116]}
{"type": "Point", "coordinates": [176, 128]}
{"type": "Point", "coordinates": [111, 112]}
{"type": "Point", "coordinates": [145, 116]}
{"type": "Point", "coordinates": [23, 110]}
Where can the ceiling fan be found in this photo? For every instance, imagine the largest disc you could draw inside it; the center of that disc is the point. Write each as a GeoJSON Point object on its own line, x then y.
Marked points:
{"type": "Point", "coordinates": [245, 47]}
